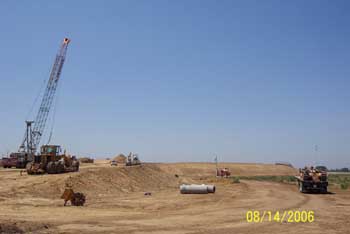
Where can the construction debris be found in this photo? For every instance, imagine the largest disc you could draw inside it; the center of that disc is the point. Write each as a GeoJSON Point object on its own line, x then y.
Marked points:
{"type": "Point", "coordinates": [76, 199]}
{"type": "Point", "coordinates": [197, 189]}
{"type": "Point", "coordinates": [223, 172]}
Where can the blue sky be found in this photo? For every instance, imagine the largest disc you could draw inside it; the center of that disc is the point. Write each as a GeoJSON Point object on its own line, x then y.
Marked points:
{"type": "Point", "coordinates": [250, 81]}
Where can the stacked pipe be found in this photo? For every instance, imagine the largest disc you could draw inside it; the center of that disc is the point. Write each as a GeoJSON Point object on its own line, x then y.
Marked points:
{"type": "Point", "coordinates": [197, 189]}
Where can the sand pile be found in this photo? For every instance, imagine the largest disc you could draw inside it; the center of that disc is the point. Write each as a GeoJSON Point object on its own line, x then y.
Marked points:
{"type": "Point", "coordinates": [104, 181]}
{"type": "Point", "coordinates": [97, 181]}
{"type": "Point", "coordinates": [120, 159]}
{"type": "Point", "coordinates": [86, 160]}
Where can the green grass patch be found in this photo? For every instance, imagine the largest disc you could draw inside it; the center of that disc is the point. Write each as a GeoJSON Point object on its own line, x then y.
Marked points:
{"type": "Point", "coordinates": [344, 186]}
{"type": "Point", "coordinates": [342, 179]}
{"type": "Point", "coordinates": [235, 180]}
{"type": "Point", "coordinates": [339, 178]}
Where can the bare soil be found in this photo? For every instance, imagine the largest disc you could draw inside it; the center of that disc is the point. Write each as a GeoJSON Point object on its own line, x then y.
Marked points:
{"type": "Point", "coordinates": [116, 202]}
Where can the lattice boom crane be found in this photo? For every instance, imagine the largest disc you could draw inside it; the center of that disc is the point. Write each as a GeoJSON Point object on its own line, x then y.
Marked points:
{"type": "Point", "coordinates": [33, 134]}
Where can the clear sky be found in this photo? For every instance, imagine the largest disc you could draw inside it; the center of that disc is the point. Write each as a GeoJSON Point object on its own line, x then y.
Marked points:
{"type": "Point", "coordinates": [250, 81]}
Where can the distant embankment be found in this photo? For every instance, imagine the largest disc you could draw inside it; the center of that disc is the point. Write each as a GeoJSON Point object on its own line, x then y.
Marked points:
{"type": "Point", "coordinates": [237, 169]}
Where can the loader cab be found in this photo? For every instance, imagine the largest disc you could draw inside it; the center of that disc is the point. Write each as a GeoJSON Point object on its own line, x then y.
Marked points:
{"type": "Point", "coordinates": [48, 153]}
{"type": "Point", "coordinates": [51, 149]}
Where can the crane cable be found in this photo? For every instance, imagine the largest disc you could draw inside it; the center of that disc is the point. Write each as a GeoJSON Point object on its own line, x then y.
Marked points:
{"type": "Point", "coordinates": [40, 91]}
{"type": "Point", "coordinates": [54, 112]}
{"type": "Point", "coordinates": [38, 95]}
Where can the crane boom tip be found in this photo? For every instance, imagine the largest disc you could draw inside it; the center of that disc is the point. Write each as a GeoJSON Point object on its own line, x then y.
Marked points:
{"type": "Point", "coordinates": [66, 40]}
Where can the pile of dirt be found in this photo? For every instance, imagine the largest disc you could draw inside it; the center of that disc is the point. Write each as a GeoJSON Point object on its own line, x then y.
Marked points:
{"type": "Point", "coordinates": [100, 181]}
{"type": "Point", "coordinates": [86, 160]}
{"type": "Point", "coordinates": [97, 181]}
{"type": "Point", "coordinates": [120, 159]}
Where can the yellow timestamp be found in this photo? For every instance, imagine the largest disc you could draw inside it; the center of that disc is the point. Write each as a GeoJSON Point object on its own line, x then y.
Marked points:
{"type": "Point", "coordinates": [290, 216]}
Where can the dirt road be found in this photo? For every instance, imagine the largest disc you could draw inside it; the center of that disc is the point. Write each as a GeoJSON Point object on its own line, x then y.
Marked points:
{"type": "Point", "coordinates": [116, 202]}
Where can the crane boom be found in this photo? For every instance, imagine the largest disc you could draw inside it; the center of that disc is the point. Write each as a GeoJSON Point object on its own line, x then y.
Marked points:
{"type": "Point", "coordinates": [32, 139]}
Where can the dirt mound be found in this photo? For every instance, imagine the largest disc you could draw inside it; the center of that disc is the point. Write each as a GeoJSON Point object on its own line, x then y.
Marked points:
{"type": "Point", "coordinates": [101, 181]}
{"type": "Point", "coordinates": [120, 159]}
{"type": "Point", "coordinates": [97, 181]}
{"type": "Point", "coordinates": [86, 160]}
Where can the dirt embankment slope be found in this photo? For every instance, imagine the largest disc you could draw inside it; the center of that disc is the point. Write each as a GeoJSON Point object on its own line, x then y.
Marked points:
{"type": "Point", "coordinates": [198, 170]}
{"type": "Point", "coordinates": [104, 179]}
{"type": "Point", "coordinates": [116, 202]}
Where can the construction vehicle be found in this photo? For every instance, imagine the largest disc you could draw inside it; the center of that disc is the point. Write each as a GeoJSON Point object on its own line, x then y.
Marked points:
{"type": "Point", "coordinates": [8, 162]}
{"type": "Point", "coordinates": [312, 180]}
{"type": "Point", "coordinates": [133, 160]}
{"type": "Point", "coordinates": [35, 129]}
{"type": "Point", "coordinates": [17, 160]}
{"type": "Point", "coordinates": [51, 161]}
{"type": "Point", "coordinates": [76, 199]}
{"type": "Point", "coordinates": [223, 172]}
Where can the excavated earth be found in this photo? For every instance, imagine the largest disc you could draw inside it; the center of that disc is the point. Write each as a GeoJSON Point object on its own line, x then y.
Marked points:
{"type": "Point", "coordinates": [116, 202]}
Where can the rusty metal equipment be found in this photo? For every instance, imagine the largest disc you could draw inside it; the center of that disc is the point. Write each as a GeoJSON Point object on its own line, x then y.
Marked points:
{"type": "Point", "coordinates": [8, 162]}
{"type": "Point", "coordinates": [52, 162]}
{"type": "Point", "coordinates": [223, 172]}
{"type": "Point", "coordinates": [312, 180]}
{"type": "Point", "coordinates": [76, 199]}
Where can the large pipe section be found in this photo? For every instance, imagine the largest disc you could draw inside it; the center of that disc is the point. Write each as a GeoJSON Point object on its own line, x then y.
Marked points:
{"type": "Point", "coordinates": [197, 189]}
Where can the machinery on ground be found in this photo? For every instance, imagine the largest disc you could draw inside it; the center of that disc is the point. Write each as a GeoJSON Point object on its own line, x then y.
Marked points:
{"type": "Point", "coordinates": [8, 162]}
{"type": "Point", "coordinates": [35, 129]}
{"type": "Point", "coordinates": [312, 180]}
{"type": "Point", "coordinates": [51, 161]}
{"type": "Point", "coordinates": [223, 172]}
{"type": "Point", "coordinates": [76, 199]}
{"type": "Point", "coordinates": [17, 160]}
{"type": "Point", "coordinates": [133, 160]}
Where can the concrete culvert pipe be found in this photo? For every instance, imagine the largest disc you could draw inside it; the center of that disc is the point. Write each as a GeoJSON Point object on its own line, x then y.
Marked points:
{"type": "Point", "coordinates": [197, 189]}
{"type": "Point", "coordinates": [211, 188]}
